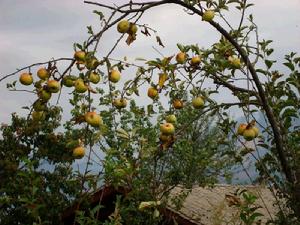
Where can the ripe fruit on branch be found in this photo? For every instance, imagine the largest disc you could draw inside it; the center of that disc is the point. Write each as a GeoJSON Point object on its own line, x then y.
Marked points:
{"type": "Point", "coordinates": [152, 93]}
{"type": "Point", "coordinates": [93, 119]}
{"type": "Point", "coordinates": [171, 118]}
{"type": "Point", "coordinates": [198, 102]}
{"type": "Point", "coordinates": [181, 58]}
{"type": "Point", "coordinates": [120, 103]}
{"type": "Point", "coordinates": [79, 56]}
{"type": "Point", "coordinates": [43, 73]}
{"type": "Point", "coordinates": [44, 95]}
{"type": "Point", "coordinates": [53, 86]}
{"type": "Point", "coordinates": [132, 29]}
{"type": "Point", "coordinates": [162, 79]}
{"type": "Point", "coordinates": [39, 105]}
{"type": "Point", "coordinates": [92, 63]}
{"type": "Point", "coordinates": [114, 76]}
{"type": "Point", "coordinates": [195, 61]}
{"type": "Point", "coordinates": [241, 128]}
{"type": "Point", "coordinates": [26, 79]}
{"type": "Point", "coordinates": [208, 15]}
{"type": "Point", "coordinates": [78, 152]}
{"type": "Point", "coordinates": [235, 62]}
{"type": "Point", "coordinates": [68, 81]}
{"type": "Point", "coordinates": [249, 134]}
{"type": "Point", "coordinates": [94, 77]}
{"type": "Point", "coordinates": [80, 86]}
{"type": "Point", "coordinates": [123, 26]}
{"type": "Point", "coordinates": [256, 130]}
{"type": "Point", "coordinates": [165, 138]}
{"type": "Point", "coordinates": [167, 128]}
{"type": "Point", "coordinates": [38, 115]}
{"type": "Point", "coordinates": [177, 104]}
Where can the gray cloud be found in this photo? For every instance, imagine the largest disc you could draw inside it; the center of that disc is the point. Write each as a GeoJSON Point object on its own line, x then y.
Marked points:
{"type": "Point", "coordinates": [35, 31]}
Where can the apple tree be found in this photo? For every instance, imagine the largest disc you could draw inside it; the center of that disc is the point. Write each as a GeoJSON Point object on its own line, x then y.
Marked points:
{"type": "Point", "coordinates": [184, 137]}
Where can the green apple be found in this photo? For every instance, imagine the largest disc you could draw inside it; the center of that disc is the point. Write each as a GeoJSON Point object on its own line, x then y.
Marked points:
{"type": "Point", "coordinates": [43, 73]}
{"type": "Point", "coordinates": [123, 26]}
{"type": "Point", "coordinates": [80, 86]}
{"type": "Point", "coordinates": [165, 138]}
{"type": "Point", "coordinates": [53, 86]}
{"type": "Point", "coordinates": [235, 62]}
{"type": "Point", "coordinates": [26, 79]}
{"type": "Point", "coordinates": [79, 56]}
{"type": "Point", "coordinates": [249, 134]}
{"type": "Point", "coordinates": [44, 95]}
{"type": "Point", "coordinates": [39, 105]}
{"type": "Point", "coordinates": [198, 102]}
{"type": "Point", "coordinates": [92, 63]}
{"type": "Point", "coordinates": [241, 128]}
{"type": "Point", "coordinates": [167, 128]}
{"type": "Point", "coordinates": [256, 130]}
{"type": "Point", "coordinates": [93, 119]}
{"type": "Point", "coordinates": [171, 118]}
{"type": "Point", "coordinates": [94, 77]}
{"type": "Point", "coordinates": [120, 103]}
{"type": "Point", "coordinates": [132, 29]}
{"type": "Point", "coordinates": [114, 76]}
{"type": "Point", "coordinates": [38, 115]}
{"type": "Point", "coordinates": [68, 81]}
{"type": "Point", "coordinates": [208, 15]}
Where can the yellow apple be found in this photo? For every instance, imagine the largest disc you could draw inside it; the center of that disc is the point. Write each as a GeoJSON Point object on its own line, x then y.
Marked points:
{"type": "Point", "coordinates": [38, 115]}
{"type": "Point", "coordinates": [94, 77]}
{"type": "Point", "coordinates": [78, 152]}
{"type": "Point", "coordinates": [235, 62]}
{"type": "Point", "coordinates": [198, 102]}
{"type": "Point", "coordinates": [256, 130]}
{"type": "Point", "coordinates": [181, 58]}
{"type": "Point", "coordinates": [44, 95]}
{"type": "Point", "coordinates": [132, 29]}
{"type": "Point", "coordinates": [123, 26]}
{"type": "Point", "coordinates": [167, 128]}
{"type": "Point", "coordinates": [79, 56]}
{"type": "Point", "coordinates": [165, 138]}
{"type": "Point", "coordinates": [92, 63]}
{"type": "Point", "coordinates": [93, 119]}
{"type": "Point", "coordinates": [249, 134]}
{"type": "Point", "coordinates": [208, 15]}
{"type": "Point", "coordinates": [162, 79]}
{"type": "Point", "coordinates": [53, 86]}
{"type": "Point", "coordinates": [26, 79]}
{"type": "Point", "coordinates": [171, 118]}
{"type": "Point", "coordinates": [39, 105]}
{"type": "Point", "coordinates": [68, 81]}
{"type": "Point", "coordinates": [114, 76]}
{"type": "Point", "coordinates": [177, 104]}
{"type": "Point", "coordinates": [120, 103]}
{"type": "Point", "coordinates": [195, 60]}
{"type": "Point", "coordinates": [43, 73]}
{"type": "Point", "coordinates": [241, 128]}
{"type": "Point", "coordinates": [80, 86]}
{"type": "Point", "coordinates": [152, 92]}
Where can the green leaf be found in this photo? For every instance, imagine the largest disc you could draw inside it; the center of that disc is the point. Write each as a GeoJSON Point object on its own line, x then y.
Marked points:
{"type": "Point", "coordinates": [269, 63]}
{"type": "Point", "coordinates": [289, 65]}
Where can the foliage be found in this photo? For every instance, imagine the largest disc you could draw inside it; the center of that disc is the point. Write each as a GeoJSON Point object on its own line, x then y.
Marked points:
{"type": "Point", "coordinates": [130, 145]}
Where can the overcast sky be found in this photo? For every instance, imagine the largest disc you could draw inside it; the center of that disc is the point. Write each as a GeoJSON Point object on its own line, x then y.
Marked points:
{"type": "Point", "coordinates": [37, 30]}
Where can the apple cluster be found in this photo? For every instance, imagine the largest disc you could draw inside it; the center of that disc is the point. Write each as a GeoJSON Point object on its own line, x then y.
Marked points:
{"type": "Point", "coordinates": [248, 131]}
